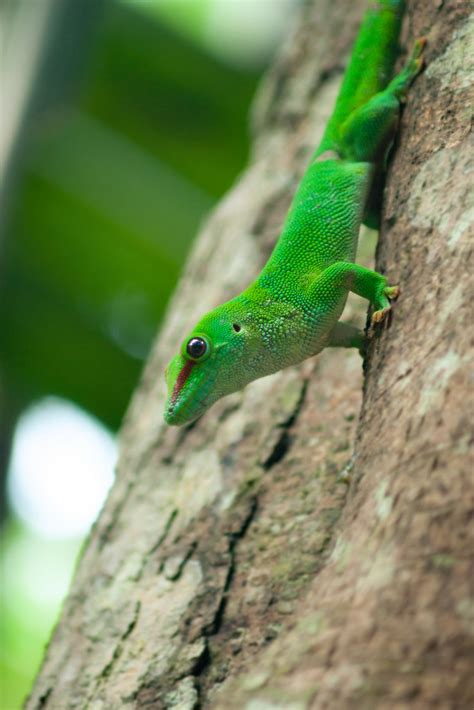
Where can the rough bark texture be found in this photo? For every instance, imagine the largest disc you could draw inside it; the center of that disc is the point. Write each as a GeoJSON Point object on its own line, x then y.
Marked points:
{"type": "Point", "coordinates": [233, 565]}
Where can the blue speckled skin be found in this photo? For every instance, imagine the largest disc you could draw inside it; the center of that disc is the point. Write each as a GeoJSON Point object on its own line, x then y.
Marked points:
{"type": "Point", "coordinates": [292, 310]}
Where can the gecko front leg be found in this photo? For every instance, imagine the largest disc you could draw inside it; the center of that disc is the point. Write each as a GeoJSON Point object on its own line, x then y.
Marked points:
{"type": "Point", "coordinates": [343, 276]}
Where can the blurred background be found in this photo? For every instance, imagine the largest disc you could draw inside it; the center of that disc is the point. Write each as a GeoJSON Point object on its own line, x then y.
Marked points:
{"type": "Point", "coordinates": [121, 124]}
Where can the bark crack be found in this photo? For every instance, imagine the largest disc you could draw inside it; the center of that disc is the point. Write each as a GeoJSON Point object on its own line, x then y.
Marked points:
{"type": "Point", "coordinates": [213, 628]}
{"type": "Point", "coordinates": [169, 524]}
{"type": "Point", "coordinates": [118, 649]}
{"type": "Point", "coordinates": [284, 441]}
{"type": "Point", "coordinates": [233, 539]}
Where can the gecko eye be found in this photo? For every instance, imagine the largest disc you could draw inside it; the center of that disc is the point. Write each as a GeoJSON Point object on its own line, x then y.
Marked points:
{"type": "Point", "coordinates": [236, 327]}
{"type": "Point", "coordinates": [197, 348]}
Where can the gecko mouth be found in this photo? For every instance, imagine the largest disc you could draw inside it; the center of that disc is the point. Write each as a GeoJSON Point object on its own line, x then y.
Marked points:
{"type": "Point", "coordinates": [184, 407]}
{"type": "Point", "coordinates": [179, 384]}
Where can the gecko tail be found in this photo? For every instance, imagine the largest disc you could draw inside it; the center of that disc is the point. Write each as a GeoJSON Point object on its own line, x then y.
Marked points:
{"type": "Point", "coordinates": [370, 66]}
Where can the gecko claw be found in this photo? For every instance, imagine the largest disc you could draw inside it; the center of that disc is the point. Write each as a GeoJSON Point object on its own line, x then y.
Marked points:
{"type": "Point", "coordinates": [419, 46]}
{"type": "Point", "coordinates": [413, 67]}
{"type": "Point", "coordinates": [392, 293]}
{"type": "Point", "coordinates": [379, 316]}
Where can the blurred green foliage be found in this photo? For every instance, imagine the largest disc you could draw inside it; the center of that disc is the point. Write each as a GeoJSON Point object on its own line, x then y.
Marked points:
{"type": "Point", "coordinates": [34, 574]}
{"type": "Point", "coordinates": [112, 187]}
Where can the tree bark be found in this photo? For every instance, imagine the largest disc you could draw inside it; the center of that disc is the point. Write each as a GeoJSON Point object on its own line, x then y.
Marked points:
{"type": "Point", "coordinates": [236, 564]}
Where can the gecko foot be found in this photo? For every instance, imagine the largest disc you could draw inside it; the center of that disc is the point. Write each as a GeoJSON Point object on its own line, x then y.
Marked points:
{"type": "Point", "coordinates": [379, 316]}
{"type": "Point", "coordinates": [417, 53]}
{"type": "Point", "coordinates": [412, 68]}
{"type": "Point", "coordinates": [391, 293]}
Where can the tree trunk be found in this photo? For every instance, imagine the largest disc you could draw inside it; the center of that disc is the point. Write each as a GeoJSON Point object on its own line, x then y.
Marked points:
{"type": "Point", "coordinates": [236, 564]}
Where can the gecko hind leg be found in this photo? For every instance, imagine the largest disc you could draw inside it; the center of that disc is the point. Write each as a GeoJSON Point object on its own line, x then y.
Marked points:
{"type": "Point", "coordinates": [346, 335]}
{"type": "Point", "coordinates": [367, 134]}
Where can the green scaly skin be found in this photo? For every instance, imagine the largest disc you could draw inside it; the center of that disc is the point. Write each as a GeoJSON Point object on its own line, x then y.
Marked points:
{"type": "Point", "coordinates": [291, 311]}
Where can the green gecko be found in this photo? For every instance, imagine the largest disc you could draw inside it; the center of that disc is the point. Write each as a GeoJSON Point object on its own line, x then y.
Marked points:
{"type": "Point", "coordinates": [292, 310]}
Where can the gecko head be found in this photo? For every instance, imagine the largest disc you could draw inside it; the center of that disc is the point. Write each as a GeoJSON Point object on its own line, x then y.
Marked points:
{"type": "Point", "coordinates": [215, 359]}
